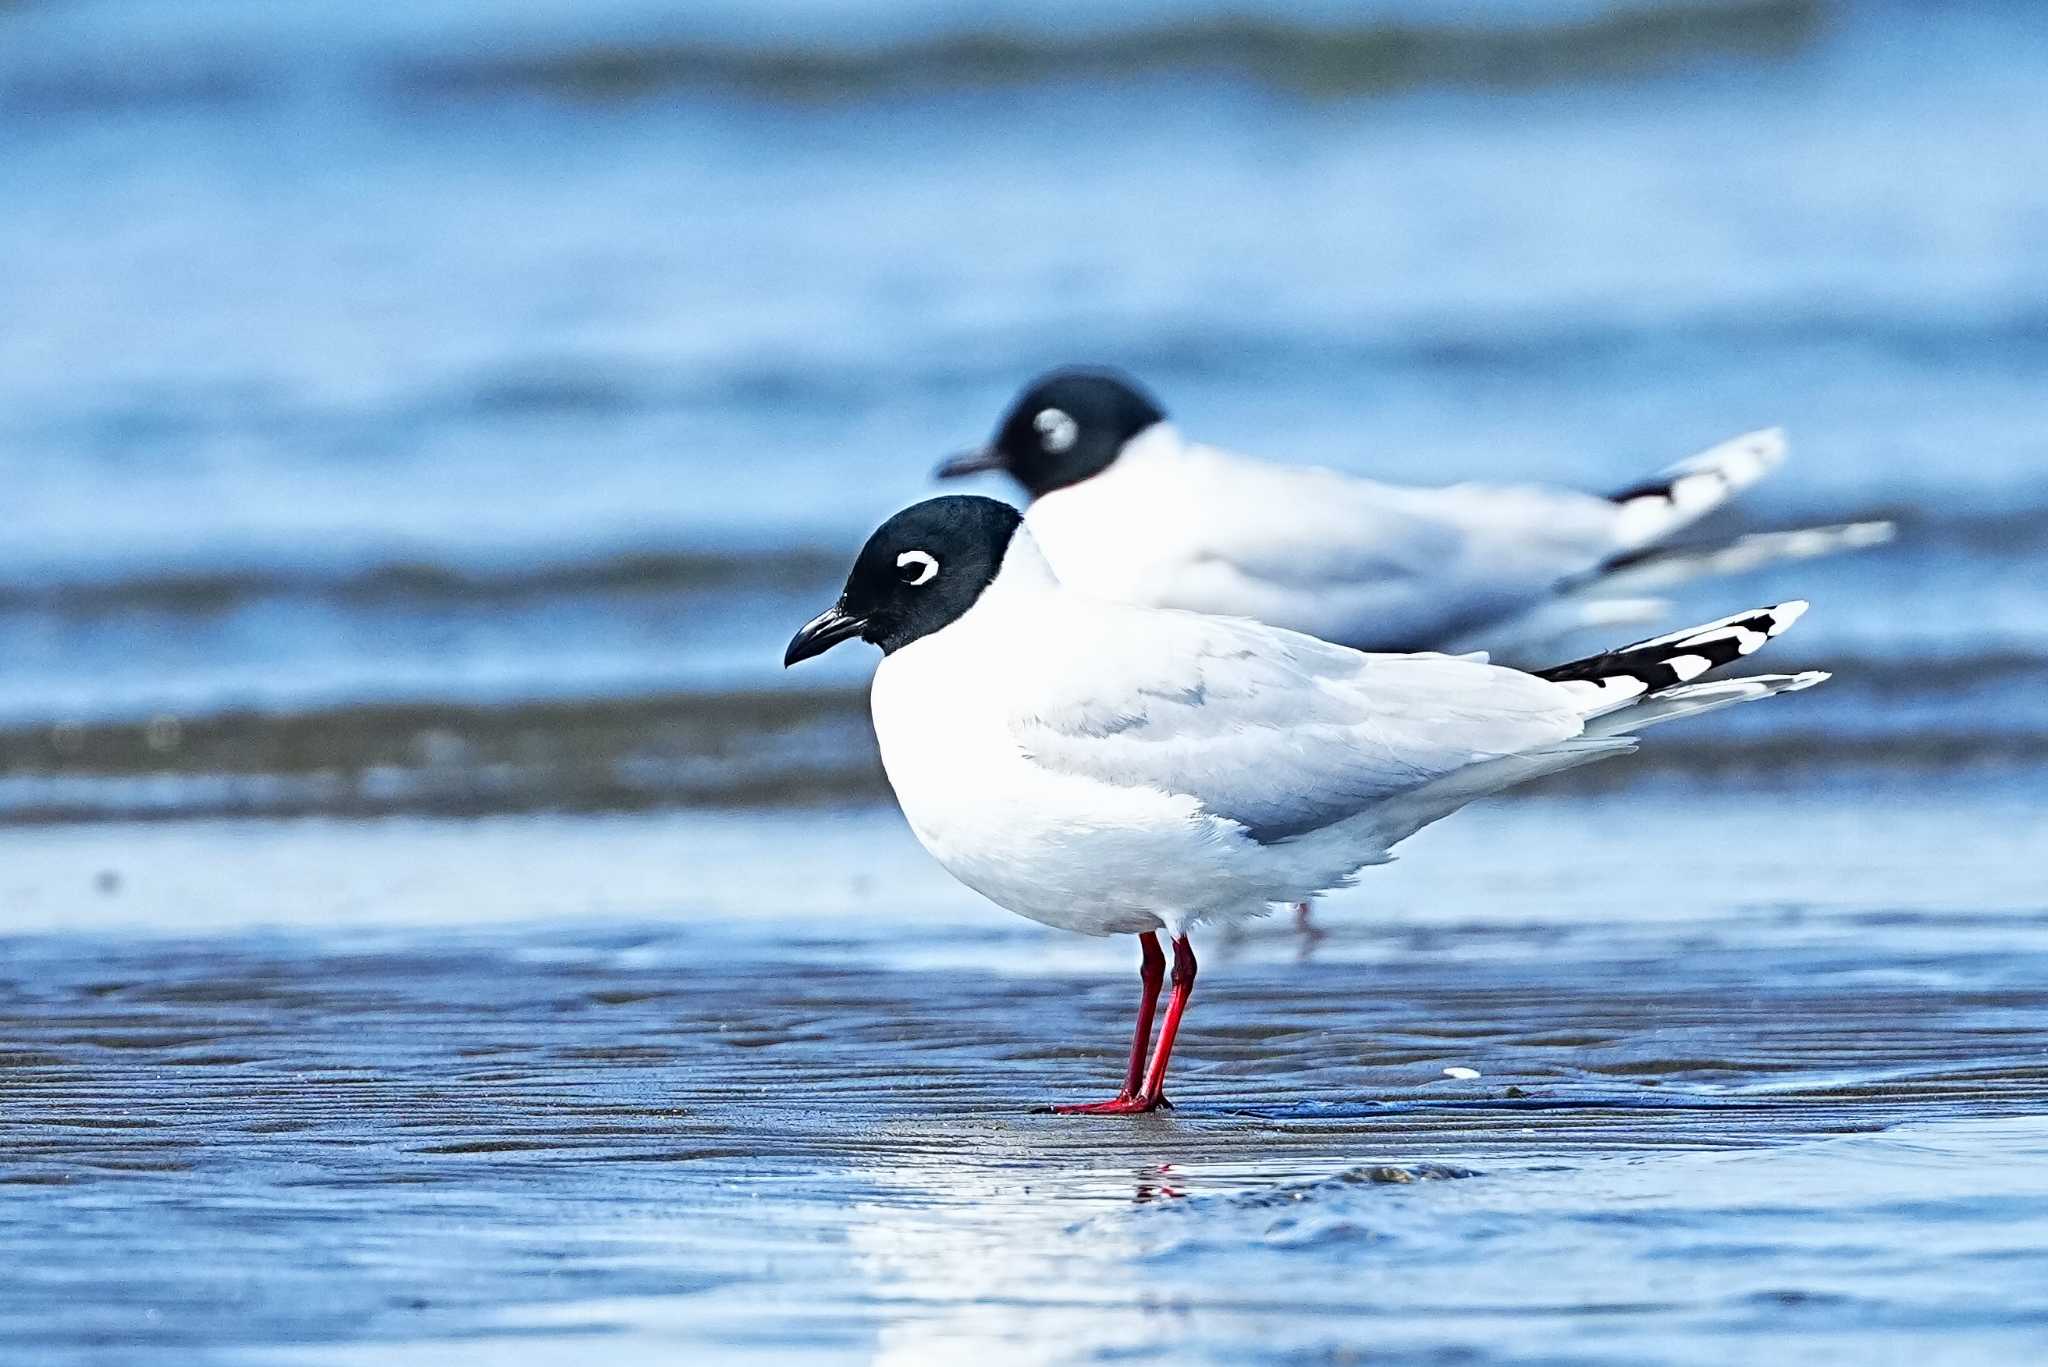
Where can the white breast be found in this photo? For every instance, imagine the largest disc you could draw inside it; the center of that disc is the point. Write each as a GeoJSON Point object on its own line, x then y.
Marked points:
{"type": "Point", "coordinates": [1003, 826]}
{"type": "Point", "coordinates": [1060, 848]}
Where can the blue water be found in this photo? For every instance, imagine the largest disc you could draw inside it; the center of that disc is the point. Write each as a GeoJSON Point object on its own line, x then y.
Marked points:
{"type": "Point", "coordinates": [359, 298]}
{"type": "Point", "coordinates": [376, 359]}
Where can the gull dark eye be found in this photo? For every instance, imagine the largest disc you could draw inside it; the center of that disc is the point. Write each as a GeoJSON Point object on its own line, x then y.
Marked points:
{"type": "Point", "coordinates": [1056, 431]}
{"type": "Point", "coordinates": [917, 568]}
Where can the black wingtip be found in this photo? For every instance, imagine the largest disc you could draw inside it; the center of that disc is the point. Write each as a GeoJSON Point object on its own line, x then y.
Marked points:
{"type": "Point", "coordinates": [1682, 656]}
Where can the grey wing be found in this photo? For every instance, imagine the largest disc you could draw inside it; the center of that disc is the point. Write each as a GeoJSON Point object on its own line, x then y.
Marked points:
{"type": "Point", "coordinates": [1352, 560]}
{"type": "Point", "coordinates": [1279, 732]}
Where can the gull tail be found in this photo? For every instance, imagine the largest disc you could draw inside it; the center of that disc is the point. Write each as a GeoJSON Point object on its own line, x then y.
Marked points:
{"type": "Point", "coordinates": [1656, 568]}
{"type": "Point", "coordinates": [1651, 678]}
{"type": "Point", "coordinates": [1620, 692]}
{"type": "Point", "coordinates": [1622, 589]}
{"type": "Point", "coordinates": [1686, 492]}
{"type": "Point", "coordinates": [1689, 700]}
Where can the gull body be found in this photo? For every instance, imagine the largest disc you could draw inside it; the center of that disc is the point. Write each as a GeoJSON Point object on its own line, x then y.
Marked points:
{"type": "Point", "coordinates": [1105, 767]}
{"type": "Point", "coordinates": [1032, 745]}
{"type": "Point", "coordinates": [1125, 506]}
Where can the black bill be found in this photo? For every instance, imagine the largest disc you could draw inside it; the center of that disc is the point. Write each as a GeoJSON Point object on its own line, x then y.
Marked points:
{"type": "Point", "coordinates": [821, 633]}
{"type": "Point", "coordinates": [972, 463]}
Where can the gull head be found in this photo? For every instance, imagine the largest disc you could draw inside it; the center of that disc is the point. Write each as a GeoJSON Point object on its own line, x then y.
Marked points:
{"type": "Point", "coordinates": [1067, 426]}
{"type": "Point", "coordinates": [919, 572]}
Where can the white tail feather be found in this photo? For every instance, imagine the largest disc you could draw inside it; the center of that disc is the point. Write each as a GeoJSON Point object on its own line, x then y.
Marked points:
{"type": "Point", "coordinates": [1690, 700]}
{"type": "Point", "coordinates": [1662, 569]}
{"type": "Point", "coordinates": [1686, 492]}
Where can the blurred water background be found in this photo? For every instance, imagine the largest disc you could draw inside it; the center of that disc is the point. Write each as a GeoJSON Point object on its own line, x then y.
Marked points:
{"type": "Point", "coordinates": [443, 411]}
{"type": "Point", "coordinates": [544, 365]}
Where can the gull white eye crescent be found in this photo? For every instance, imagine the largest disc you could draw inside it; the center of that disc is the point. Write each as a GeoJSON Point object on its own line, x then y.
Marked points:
{"type": "Point", "coordinates": [917, 567]}
{"type": "Point", "coordinates": [1056, 431]}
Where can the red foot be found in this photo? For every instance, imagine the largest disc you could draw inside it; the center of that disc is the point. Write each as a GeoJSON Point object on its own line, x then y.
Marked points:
{"type": "Point", "coordinates": [1123, 1105]}
{"type": "Point", "coordinates": [1144, 1087]}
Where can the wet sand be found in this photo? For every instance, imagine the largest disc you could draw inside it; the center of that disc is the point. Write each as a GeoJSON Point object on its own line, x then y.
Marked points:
{"type": "Point", "coordinates": [529, 1091]}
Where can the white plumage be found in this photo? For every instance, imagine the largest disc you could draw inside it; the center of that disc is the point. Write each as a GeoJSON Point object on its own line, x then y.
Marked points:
{"type": "Point", "coordinates": [1173, 523]}
{"type": "Point", "coordinates": [1108, 767]}
{"type": "Point", "coordinates": [1105, 767]}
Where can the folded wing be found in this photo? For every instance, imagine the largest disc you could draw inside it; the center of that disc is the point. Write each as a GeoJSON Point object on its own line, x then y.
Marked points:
{"type": "Point", "coordinates": [1278, 732]}
{"type": "Point", "coordinates": [1377, 565]}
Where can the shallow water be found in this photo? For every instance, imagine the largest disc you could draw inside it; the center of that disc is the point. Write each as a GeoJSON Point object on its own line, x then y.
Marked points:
{"type": "Point", "coordinates": [434, 1091]}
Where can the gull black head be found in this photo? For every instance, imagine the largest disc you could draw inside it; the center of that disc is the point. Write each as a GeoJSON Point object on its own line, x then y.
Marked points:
{"type": "Point", "coordinates": [920, 571]}
{"type": "Point", "coordinates": [1069, 425]}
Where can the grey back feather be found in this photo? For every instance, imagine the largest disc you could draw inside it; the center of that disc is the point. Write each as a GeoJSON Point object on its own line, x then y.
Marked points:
{"type": "Point", "coordinates": [1278, 732]}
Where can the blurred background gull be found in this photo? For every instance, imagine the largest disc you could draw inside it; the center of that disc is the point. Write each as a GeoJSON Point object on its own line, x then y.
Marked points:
{"type": "Point", "coordinates": [444, 407]}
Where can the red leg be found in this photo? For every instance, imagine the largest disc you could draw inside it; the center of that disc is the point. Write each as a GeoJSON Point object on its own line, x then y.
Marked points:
{"type": "Point", "coordinates": [1151, 1095]}
{"type": "Point", "coordinates": [1151, 975]}
{"type": "Point", "coordinates": [1154, 1092]}
{"type": "Point", "coordinates": [1309, 932]}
